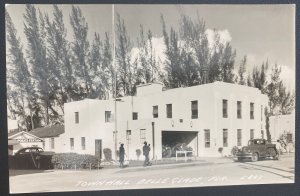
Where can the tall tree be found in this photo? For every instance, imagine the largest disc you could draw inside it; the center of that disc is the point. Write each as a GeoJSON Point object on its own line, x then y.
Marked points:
{"type": "Point", "coordinates": [227, 64]}
{"type": "Point", "coordinates": [80, 48]}
{"type": "Point", "coordinates": [37, 57]}
{"type": "Point", "coordinates": [273, 88]}
{"type": "Point", "coordinates": [285, 100]}
{"type": "Point", "coordinates": [173, 62]}
{"type": "Point", "coordinates": [241, 71]}
{"type": "Point", "coordinates": [108, 67]}
{"type": "Point", "coordinates": [59, 57]}
{"type": "Point", "coordinates": [125, 79]}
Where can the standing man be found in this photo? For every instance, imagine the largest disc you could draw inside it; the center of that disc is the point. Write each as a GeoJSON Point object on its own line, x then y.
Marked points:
{"type": "Point", "coordinates": [146, 150]}
{"type": "Point", "coordinates": [121, 155]}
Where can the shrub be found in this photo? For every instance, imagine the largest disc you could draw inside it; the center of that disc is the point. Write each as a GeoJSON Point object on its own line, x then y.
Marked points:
{"type": "Point", "coordinates": [138, 153]}
{"type": "Point", "coordinates": [220, 150]}
{"type": "Point", "coordinates": [107, 154]}
{"type": "Point", "coordinates": [69, 160]}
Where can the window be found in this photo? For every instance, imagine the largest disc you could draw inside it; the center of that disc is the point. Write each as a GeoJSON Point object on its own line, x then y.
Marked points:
{"type": "Point", "coordinates": [239, 109]}
{"type": "Point", "coordinates": [225, 106]}
{"type": "Point", "coordinates": [169, 110]}
{"type": "Point", "coordinates": [207, 138]}
{"type": "Point", "coordinates": [239, 137]}
{"type": "Point", "coordinates": [76, 117]}
{"type": "Point", "coordinates": [72, 143]}
{"type": "Point", "coordinates": [52, 143]}
{"type": "Point", "coordinates": [155, 111]}
{"type": "Point", "coordinates": [194, 107]}
{"type": "Point", "coordinates": [108, 117]}
{"type": "Point", "coordinates": [225, 138]}
{"type": "Point", "coordinates": [83, 143]}
{"type": "Point", "coordinates": [143, 135]}
{"type": "Point", "coordinates": [289, 137]}
{"type": "Point", "coordinates": [134, 115]}
{"type": "Point", "coordinates": [128, 136]}
{"type": "Point", "coordinates": [251, 134]}
{"type": "Point", "coordinates": [44, 145]}
{"type": "Point", "coordinates": [251, 110]}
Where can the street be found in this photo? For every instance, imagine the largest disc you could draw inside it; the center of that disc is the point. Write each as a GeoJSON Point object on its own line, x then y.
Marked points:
{"type": "Point", "coordinates": [212, 172]}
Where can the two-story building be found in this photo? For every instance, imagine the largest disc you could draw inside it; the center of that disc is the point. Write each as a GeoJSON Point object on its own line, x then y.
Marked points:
{"type": "Point", "coordinates": [205, 117]}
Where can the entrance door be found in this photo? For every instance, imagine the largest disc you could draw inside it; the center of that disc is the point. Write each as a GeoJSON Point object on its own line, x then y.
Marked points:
{"type": "Point", "coordinates": [98, 148]}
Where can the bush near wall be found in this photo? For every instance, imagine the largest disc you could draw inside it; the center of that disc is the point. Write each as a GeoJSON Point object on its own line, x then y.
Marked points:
{"type": "Point", "coordinates": [69, 160]}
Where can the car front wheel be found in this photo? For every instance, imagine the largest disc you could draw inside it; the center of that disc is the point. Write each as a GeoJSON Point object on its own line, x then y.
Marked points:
{"type": "Point", "coordinates": [254, 157]}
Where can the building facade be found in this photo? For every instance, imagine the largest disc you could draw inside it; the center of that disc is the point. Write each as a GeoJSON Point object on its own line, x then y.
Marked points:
{"type": "Point", "coordinates": [204, 117]}
{"type": "Point", "coordinates": [283, 124]}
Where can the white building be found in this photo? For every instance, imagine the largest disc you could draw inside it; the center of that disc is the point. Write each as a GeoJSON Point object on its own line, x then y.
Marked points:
{"type": "Point", "coordinates": [282, 124]}
{"type": "Point", "coordinates": [205, 117]}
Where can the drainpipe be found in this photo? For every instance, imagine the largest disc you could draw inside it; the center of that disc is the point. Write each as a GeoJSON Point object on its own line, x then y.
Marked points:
{"type": "Point", "coordinates": [153, 143]}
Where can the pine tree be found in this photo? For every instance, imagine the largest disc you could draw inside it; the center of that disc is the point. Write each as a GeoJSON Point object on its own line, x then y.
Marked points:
{"type": "Point", "coordinates": [285, 100]}
{"type": "Point", "coordinates": [227, 64]}
{"type": "Point", "coordinates": [125, 79]}
{"type": "Point", "coordinates": [273, 89]}
{"type": "Point", "coordinates": [241, 71]}
{"type": "Point", "coordinates": [80, 48]}
{"type": "Point", "coordinates": [59, 57]}
{"type": "Point", "coordinates": [107, 66]}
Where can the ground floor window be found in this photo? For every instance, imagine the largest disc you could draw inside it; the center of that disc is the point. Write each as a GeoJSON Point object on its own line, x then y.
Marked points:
{"type": "Point", "coordinates": [251, 134]}
{"type": "Point", "coordinates": [72, 143]}
{"type": "Point", "coordinates": [83, 143]}
{"type": "Point", "coordinates": [52, 145]}
{"type": "Point", "coordinates": [207, 138]}
{"type": "Point", "coordinates": [239, 137]}
{"type": "Point", "coordinates": [225, 137]}
{"type": "Point", "coordinates": [143, 135]}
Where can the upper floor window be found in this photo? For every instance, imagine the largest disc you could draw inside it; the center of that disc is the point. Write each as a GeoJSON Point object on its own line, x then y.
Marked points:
{"type": "Point", "coordinates": [72, 143]}
{"type": "Point", "coordinates": [155, 111]}
{"type": "Point", "coordinates": [76, 117]}
{"type": "Point", "coordinates": [207, 138]}
{"type": "Point", "coordinates": [251, 110]}
{"type": "Point", "coordinates": [134, 115]}
{"type": "Point", "coordinates": [108, 117]}
{"type": "Point", "coordinates": [261, 112]}
{"type": "Point", "coordinates": [83, 143]}
{"type": "Point", "coordinates": [225, 108]}
{"type": "Point", "coordinates": [194, 108]}
{"type": "Point", "coordinates": [169, 110]}
{"type": "Point", "coordinates": [239, 109]}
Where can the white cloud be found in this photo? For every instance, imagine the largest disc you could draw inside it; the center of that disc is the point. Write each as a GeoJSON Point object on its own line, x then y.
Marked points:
{"type": "Point", "coordinates": [225, 36]}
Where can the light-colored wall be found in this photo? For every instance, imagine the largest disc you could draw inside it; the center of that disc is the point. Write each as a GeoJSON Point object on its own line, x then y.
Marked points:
{"type": "Point", "coordinates": [280, 124]}
{"type": "Point", "coordinates": [92, 126]}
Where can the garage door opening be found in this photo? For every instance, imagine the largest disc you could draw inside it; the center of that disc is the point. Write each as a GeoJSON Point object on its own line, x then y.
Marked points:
{"type": "Point", "coordinates": [173, 141]}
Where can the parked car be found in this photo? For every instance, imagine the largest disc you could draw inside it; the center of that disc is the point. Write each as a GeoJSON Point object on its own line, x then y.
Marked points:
{"type": "Point", "coordinates": [31, 158]}
{"type": "Point", "coordinates": [257, 149]}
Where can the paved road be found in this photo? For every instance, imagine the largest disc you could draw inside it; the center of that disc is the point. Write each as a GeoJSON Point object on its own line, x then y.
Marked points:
{"type": "Point", "coordinates": [207, 173]}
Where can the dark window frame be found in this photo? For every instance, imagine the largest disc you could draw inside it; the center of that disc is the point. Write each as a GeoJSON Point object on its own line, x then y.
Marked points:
{"type": "Point", "coordinates": [72, 143]}
{"type": "Point", "coordinates": [239, 109]}
{"type": "Point", "coordinates": [155, 111]}
{"type": "Point", "coordinates": [207, 138]}
{"type": "Point", "coordinates": [135, 115]}
{"type": "Point", "coordinates": [251, 110]}
{"type": "Point", "coordinates": [225, 139]}
{"type": "Point", "coordinates": [76, 117]}
{"type": "Point", "coordinates": [239, 137]}
{"type": "Point", "coordinates": [194, 109]}
{"type": "Point", "coordinates": [225, 108]}
{"type": "Point", "coordinates": [108, 116]}
{"type": "Point", "coordinates": [169, 111]}
{"type": "Point", "coordinates": [83, 143]}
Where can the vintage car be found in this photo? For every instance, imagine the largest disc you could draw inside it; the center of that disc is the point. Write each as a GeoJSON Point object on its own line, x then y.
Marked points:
{"type": "Point", "coordinates": [257, 149]}
{"type": "Point", "coordinates": [31, 158]}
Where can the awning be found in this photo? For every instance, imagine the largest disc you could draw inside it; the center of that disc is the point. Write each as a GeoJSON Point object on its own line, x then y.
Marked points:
{"type": "Point", "coordinates": [13, 142]}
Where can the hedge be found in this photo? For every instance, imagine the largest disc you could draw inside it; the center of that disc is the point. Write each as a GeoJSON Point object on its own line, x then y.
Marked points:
{"type": "Point", "coordinates": [69, 160]}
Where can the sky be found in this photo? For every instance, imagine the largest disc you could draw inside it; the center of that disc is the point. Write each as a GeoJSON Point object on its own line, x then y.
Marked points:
{"type": "Point", "coordinates": [260, 32]}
